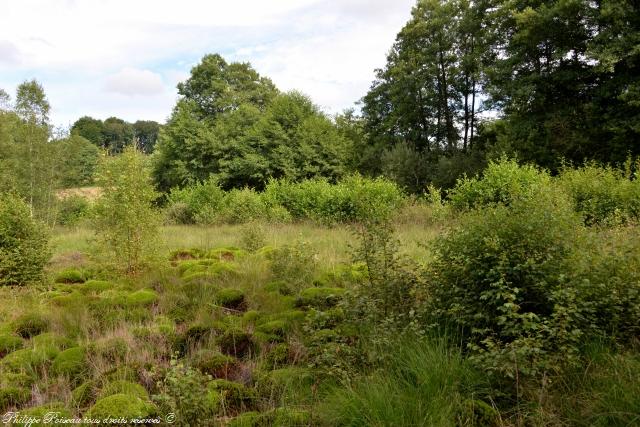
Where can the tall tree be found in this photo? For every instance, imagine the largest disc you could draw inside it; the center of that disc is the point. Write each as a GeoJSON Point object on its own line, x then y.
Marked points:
{"type": "Point", "coordinates": [90, 129]}
{"type": "Point", "coordinates": [216, 87]}
{"type": "Point", "coordinates": [146, 134]}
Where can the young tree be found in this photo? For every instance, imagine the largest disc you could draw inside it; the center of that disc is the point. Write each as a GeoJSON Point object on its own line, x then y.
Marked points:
{"type": "Point", "coordinates": [125, 221]}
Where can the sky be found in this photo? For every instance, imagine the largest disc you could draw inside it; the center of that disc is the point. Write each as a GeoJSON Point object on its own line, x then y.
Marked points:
{"type": "Point", "coordinates": [123, 58]}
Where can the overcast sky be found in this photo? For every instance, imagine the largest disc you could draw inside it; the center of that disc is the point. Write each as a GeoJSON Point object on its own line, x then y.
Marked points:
{"type": "Point", "coordinates": [124, 57]}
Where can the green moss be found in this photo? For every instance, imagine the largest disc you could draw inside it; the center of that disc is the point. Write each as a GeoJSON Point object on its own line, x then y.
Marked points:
{"type": "Point", "coordinates": [9, 343]}
{"type": "Point", "coordinates": [112, 349]}
{"type": "Point", "coordinates": [95, 286]}
{"type": "Point", "coordinates": [30, 324]}
{"type": "Point", "coordinates": [67, 300]}
{"type": "Point", "coordinates": [143, 297]}
{"type": "Point", "coordinates": [265, 251]}
{"type": "Point", "coordinates": [248, 419]}
{"type": "Point", "coordinates": [112, 297]}
{"type": "Point", "coordinates": [236, 342]}
{"type": "Point", "coordinates": [198, 277]}
{"type": "Point", "coordinates": [234, 395]}
{"type": "Point", "coordinates": [319, 297]}
{"type": "Point", "coordinates": [122, 372]}
{"type": "Point", "coordinates": [185, 254]}
{"type": "Point", "coordinates": [250, 317]}
{"type": "Point", "coordinates": [70, 275]}
{"type": "Point", "coordinates": [12, 396]}
{"type": "Point", "coordinates": [185, 266]}
{"type": "Point", "coordinates": [70, 363]}
{"type": "Point", "coordinates": [279, 286]}
{"type": "Point", "coordinates": [226, 254]}
{"type": "Point", "coordinates": [277, 328]}
{"type": "Point", "coordinates": [213, 363]}
{"type": "Point", "coordinates": [41, 412]}
{"type": "Point", "coordinates": [231, 298]}
{"type": "Point", "coordinates": [287, 417]}
{"type": "Point", "coordinates": [121, 406]}
{"type": "Point", "coordinates": [19, 379]}
{"type": "Point", "coordinates": [84, 394]}
{"type": "Point", "coordinates": [24, 360]}
{"type": "Point", "coordinates": [51, 344]}
{"type": "Point", "coordinates": [124, 387]}
{"type": "Point", "coordinates": [164, 326]}
{"type": "Point", "coordinates": [277, 356]}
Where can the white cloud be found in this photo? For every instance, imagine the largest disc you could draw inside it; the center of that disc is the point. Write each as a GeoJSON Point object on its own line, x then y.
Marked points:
{"type": "Point", "coordinates": [132, 81]}
{"type": "Point", "coordinates": [90, 53]}
{"type": "Point", "coordinates": [9, 53]}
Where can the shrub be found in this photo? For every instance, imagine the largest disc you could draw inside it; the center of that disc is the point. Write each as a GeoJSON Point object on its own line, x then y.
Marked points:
{"type": "Point", "coordinates": [199, 203]}
{"type": "Point", "coordinates": [125, 221]}
{"type": "Point", "coordinates": [242, 206]}
{"type": "Point", "coordinates": [502, 182]}
{"type": "Point", "coordinates": [602, 194]}
{"type": "Point", "coordinates": [183, 391]}
{"type": "Point", "coordinates": [121, 406]}
{"type": "Point", "coordinates": [294, 264]}
{"type": "Point", "coordinates": [252, 237]}
{"type": "Point", "coordinates": [500, 277]}
{"type": "Point", "coordinates": [319, 297]}
{"type": "Point", "coordinates": [72, 210]}
{"type": "Point", "coordinates": [23, 243]}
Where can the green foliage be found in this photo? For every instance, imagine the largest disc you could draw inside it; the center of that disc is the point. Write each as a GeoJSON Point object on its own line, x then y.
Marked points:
{"type": "Point", "coordinates": [234, 125]}
{"type": "Point", "coordinates": [500, 276]}
{"type": "Point", "coordinates": [293, 264]}
{"type": "Point", "coordinates": [70, 275]}
{"type": "Point", "coordinates": [319, 297]}
{"type": "Point", "coordinates": [424, 382]}
{"type": "Point", "coordinates": [9, 343]}
{"type": "Point", "coordinates": [121, 406]}
{"type": "Point", "coordinates": [253, 237]}
{"type": "Point", "coordinates": [603, 195]}
{"type": "Point", "coordinates": [13, 396]}
{"type": "Point", "coordinates": [23, 243]}
{"type": "Point", "coordinates": [183, 391]}
{"type": "Point", "coordinates": [72, 210]}
{"type": "Point", "coordinates": [502, 182]}
{"type": "Point", "coordinates": [230, 298]}
{"type": "Point", "coordinates": [71, 363]}
{"type": "Point", "coordinates": [124, 387]}
{"type": "Point", "coordinates": [79, 161]}
{"type": "Point", "coordinates": [125, 221]}
{"type": "Point", "coordinates": [213, 363]}
{"type": "Point", "coordinates": [30, 324]}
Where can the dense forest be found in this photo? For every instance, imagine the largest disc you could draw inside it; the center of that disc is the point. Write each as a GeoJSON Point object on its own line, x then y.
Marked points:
{"type": "Point", "coordinates": [461, 248]}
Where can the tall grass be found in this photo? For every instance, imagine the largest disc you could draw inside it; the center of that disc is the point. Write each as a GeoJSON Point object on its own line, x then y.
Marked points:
{"type": "Point", "coordinates": [426, 382]}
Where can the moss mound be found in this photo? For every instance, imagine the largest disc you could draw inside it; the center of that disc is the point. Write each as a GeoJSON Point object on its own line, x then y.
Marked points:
{"type": "Point", "coordinates": [236, 342]}
{"type": "Point", "coordinates": [185, 254]}
{"type": "Point", "coordinates": [28, 325]}
{"type": "Point", "coordinates": [279, 286]}
{"type": "Point", "coordinates": [274, 330]}
{"type": "Point", "coordinates": [143, 297]}
{"type": "Point", "coordinates": [19, 379]}
{"type": "Point", "coordinates": [278, 417]}
{"type": "Point", "coordinates": [70, 363]}
{"type": "Point", "coordinates": [213, 363]}
{"type": "Point", "coordinates": [9, 343]}
{"type": "Point", "coordinates": [124, 387]}
{"type": "Point", "coordinates": [84, 394]}
{"type": "Point", "coordinates": [95, 286]}
{"type": "Point", "coordinates": [320, 298]}
{"type": "Point", "coordinates": [234, 395]}
{"type": "Point", "coordinates": [70, 275]}
{"type": "Point", "coordinates": [112, 349]}
{"type": "Point", "coordinates": [121, 406]}
{"type": "Point", "coordinates": [12, 396]}
{"type": "Point", "coordinates": [48, 413]}
{"type": "Point", "coordinates": [226, 254]}
{"type": "Point", "coordinates": [25, 360]}
{"type": "Point", "coordinates": [231, 298]}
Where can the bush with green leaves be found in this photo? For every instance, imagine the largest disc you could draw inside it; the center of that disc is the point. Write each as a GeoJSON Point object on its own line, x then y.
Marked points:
{"type": "Point", "coordinates": [502, 182]}
{"type": "Point", "coordinates": [72, 210]}
{"type": "Point", "coordinates": [125, 220]}
{"type": "Point", "coordinates": [199, 203]}
{"type": "Point", "coordinates": [24, 243]}
{"type": "Point", "coordinates": [500, 277]}
{"type": "Point", "coordinates": [602, 194]}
